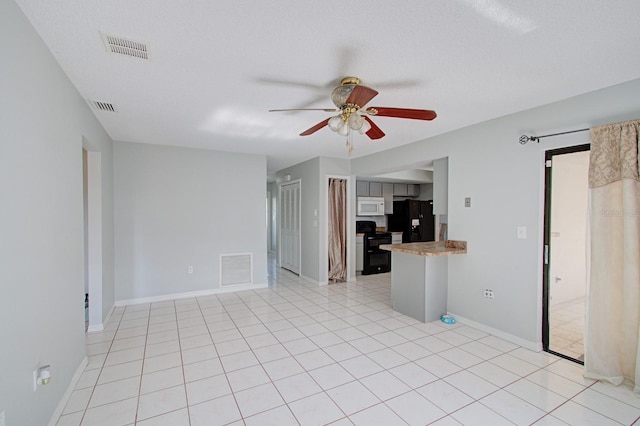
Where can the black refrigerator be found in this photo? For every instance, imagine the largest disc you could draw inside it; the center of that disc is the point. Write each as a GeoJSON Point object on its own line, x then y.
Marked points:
{"type": "Point", "coordinates": [414, 218]}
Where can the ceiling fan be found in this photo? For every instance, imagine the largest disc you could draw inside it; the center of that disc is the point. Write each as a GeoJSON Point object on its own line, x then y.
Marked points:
{"type": "Point", "coordinates": [350, 99]}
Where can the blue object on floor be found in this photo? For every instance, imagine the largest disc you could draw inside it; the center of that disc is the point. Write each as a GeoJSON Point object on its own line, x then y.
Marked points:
{"type": "Point", "coordinates": [448, 319]}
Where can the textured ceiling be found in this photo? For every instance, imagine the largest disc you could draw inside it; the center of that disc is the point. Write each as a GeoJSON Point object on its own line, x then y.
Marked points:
{"type": "Point", "coordinates": [216, 68]}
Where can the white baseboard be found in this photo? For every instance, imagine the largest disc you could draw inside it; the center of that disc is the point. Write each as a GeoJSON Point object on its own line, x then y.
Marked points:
{"type": "Point", "coordinates": [311, 280]}
{"type": "Point", "coordinates": [96, 328]}
{"type": "Point", "coordinates": [186, 295]}
{"type": "Point", "coordinates": [533, 346]}
{"type": "Point", "coordinates": [67, 394]}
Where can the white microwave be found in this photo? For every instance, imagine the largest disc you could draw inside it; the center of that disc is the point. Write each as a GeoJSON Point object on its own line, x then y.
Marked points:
{"type": "Point", "coordinates": [370, 206]}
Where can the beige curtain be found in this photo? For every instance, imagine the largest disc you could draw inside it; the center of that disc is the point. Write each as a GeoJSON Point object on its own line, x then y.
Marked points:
{"type": "Point", "coordinates": [613, 306]}
{"type": "Point", "coordinates": [337, 230]}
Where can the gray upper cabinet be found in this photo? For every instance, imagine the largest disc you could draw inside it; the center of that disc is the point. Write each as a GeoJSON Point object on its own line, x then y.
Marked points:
{"type": "Point", "coordinates": [387, 193]}
{"type": "Point", "coordinates": [375, 189]}
{"type": "Point", "coordinates": [400, 189]}
{"type": "Point", "coordinates": [362, 189]}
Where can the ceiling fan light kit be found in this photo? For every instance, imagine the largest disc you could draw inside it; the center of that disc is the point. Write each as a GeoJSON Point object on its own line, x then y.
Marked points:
{"type": "Point", "coordinates": [350, 98]}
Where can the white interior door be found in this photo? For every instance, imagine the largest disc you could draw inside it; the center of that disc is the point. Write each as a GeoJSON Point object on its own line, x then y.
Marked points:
{"type": "Point", "coordinates": [290, 226]}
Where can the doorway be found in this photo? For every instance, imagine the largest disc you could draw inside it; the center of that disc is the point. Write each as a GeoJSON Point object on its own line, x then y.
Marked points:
{"type": "Point", "coordinates": [565, 248]}
{"type": "Point", "coordinates": [290, 238]}
{"type": "Point", "coordinates": [337, 229]}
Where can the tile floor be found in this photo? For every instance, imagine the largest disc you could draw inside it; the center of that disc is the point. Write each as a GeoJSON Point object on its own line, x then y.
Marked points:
{"type": "Point", "coordinates": [566, 328]}
{"type": "Point", "coordinates": [296, 353]}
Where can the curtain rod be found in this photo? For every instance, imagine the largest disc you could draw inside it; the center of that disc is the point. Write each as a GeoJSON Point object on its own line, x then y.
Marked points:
{"type": "Point", "coordinates": [524, 138]}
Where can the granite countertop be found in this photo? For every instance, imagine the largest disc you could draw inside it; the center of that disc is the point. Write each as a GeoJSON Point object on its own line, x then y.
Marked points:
{"type": "Point", "coordinates": [432, 248]}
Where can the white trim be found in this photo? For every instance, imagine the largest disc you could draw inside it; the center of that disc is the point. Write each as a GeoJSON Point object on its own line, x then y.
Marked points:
{"type": "Point", "coordinates": [94, 237]}
{"type": "Point", "coordinates": [95, 328]}
{"type": "Point", "coordinates": [540, 250]}
{"type": "Point", "coordinates": [67, 394]}
{"type": "Point", "coordinates": [100, 327]}
{"type": "Point", "coordinates": [532, 346]}
{"type": "Point", "coordinates": [186, 295]}
{"type": "Point", "coordinates": [311, 280]}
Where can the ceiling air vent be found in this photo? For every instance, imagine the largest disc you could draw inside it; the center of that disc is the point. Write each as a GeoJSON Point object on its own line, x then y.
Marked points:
{"type": "Point", "coordinates": [124, 46]}
{"type": "Point", "coordinates": [103, 106]}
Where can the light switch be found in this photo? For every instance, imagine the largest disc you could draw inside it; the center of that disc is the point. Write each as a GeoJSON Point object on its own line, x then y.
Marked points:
{"type": "Point", "coordinates": [467, 202]}
{"type": "Point", "coordinates": [522, 232]}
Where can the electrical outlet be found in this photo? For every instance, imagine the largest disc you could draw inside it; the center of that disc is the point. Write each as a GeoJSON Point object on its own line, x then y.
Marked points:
{"type": "Point", "coordinates": [189, 269]}
{"type": "Point", "coordinates": [488, 293]}
{"type": "Point", "coordinates": [522, 232]}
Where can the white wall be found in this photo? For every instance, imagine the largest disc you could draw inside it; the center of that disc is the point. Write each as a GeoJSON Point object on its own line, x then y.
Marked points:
{"type": "Point", "coordinates": [505, 181]}
{"type": "Point", "coordinates": [309, 173]}
{"type": "Point", "coordinates": [43, 121]}
{"type": "Point", "coordinates": [313, 203]}
{"type": "Point", "coordinates": [180, 207]}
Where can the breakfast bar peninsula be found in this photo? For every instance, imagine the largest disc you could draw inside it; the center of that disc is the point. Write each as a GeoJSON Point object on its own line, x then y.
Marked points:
{"type": "Point", "coordinates": [419, 277]}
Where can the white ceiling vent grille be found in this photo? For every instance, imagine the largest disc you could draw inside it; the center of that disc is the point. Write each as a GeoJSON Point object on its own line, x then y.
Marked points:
{"type": "Point", "coordinates": [236, 269]}
{"type": "Point", "coordinates": [124, 46]}
{"type": "Point", "coordinates": [103, 106]}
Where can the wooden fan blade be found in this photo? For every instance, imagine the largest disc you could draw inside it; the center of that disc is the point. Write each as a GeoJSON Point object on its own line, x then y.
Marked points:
{"type": "Point", "coordinates": [374, 132]}
{"type": "Point", "coordinates": [305, 109]}
{"type": "Point", "coordinates": [414, 114]}
{"type": "Point", "coordinates": [361, 95]}
{"type": "Point", "coordinates": [315, 128]}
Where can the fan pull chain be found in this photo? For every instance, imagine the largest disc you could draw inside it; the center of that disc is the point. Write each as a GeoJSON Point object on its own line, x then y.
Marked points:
{"type": "Point", "coordinates": [349, 142]}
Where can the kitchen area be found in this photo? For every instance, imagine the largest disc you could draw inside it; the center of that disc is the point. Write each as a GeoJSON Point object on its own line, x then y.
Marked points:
{"type": "Point", "coordinates": [400, 207]}
{"type": "Point", "coordinates": [401, 228]}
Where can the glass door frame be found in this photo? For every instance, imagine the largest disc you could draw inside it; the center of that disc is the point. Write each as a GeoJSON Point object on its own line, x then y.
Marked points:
{"type": "Point", "coordinates": [546, 255]}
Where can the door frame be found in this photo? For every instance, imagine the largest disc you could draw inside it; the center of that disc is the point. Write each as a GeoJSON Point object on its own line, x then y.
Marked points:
{"type": "Point", "coordinates": [94, 244]}
{"type": "Point", "coordinates": [546, 245]}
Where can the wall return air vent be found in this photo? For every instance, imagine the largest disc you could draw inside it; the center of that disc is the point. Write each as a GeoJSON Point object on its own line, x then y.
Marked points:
{"type": "Point", "coordinates": [103, 106]}
{"type": "Point", "coordinates": [236, 269]}
{"type": "Point", "coordinates": [125, 46]}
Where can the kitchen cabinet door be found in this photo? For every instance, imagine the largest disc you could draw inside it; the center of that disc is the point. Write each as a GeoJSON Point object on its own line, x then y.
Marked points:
{"type": "Point", "coordinates": [362, 189]}
{"type": "Point", "coordinates": [413, 190]}
{"type": "Point", "coordinates": [400, 189]}
{"type": "Point", "coordinates": [375, 189]}
{"type": "Point", "coordinates": [387, 193]}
